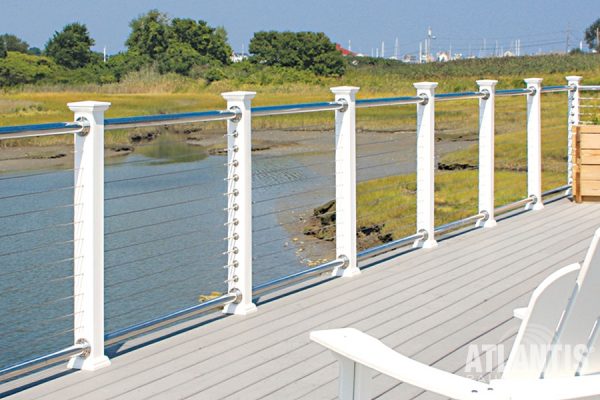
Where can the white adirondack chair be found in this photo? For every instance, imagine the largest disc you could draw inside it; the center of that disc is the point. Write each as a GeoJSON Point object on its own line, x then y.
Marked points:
{"type": "Point", "coordinates": [562, 319]}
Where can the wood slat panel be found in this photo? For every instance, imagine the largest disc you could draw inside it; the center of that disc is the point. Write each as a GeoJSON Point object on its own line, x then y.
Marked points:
{"type": "Point", "coordinates": [589, 173]}
{"type": "Point", "coordinates": [590, 141]}
{"type": "Point", "coordinates": [590, 156]}
{"type": "Point", "coordinates": [590, 188]}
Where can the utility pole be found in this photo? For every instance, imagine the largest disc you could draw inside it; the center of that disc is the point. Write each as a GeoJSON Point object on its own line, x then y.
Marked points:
{"type": "Point", "coordinates": [568, 37]}
{"type": "Point", "coordinates": [382, 49]}
{"type": "Point", "coordinates": [420, 53]}
{"type": "Point", "coordinates": [396, 46]}
{"type": "Point", "coordinates": [104, 54]}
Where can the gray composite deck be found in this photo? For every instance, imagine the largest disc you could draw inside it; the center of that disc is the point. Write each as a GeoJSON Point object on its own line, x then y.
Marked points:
{"type": "Point", "coordinates": [429, 304]}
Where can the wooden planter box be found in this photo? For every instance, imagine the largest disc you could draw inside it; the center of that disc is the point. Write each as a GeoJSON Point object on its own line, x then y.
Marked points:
{"type": "Point", "coordinates": [586, 168]}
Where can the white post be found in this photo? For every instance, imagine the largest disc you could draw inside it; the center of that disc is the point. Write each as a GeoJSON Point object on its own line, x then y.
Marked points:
{"type": "Point", "coordinates": [345, 179]}
{"type": "Point", "coordinates": [89, 235]}
{"type": "Point", "coordinates": [534, 142]}
{"type": "Point", "coordinates": [486, 151]}
{"type": "Point", "coordinates": [355, 380]}
{"type": "Point", "coordinates": [239, 204]}
{"type": "Point", "coordinates": [426, 163]}
{"type": "Point", "coordinates": [573, 120]}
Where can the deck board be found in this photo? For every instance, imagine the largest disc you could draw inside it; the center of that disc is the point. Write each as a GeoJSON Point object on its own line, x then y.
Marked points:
{"type": "Point", "coordinates": [429, 304]}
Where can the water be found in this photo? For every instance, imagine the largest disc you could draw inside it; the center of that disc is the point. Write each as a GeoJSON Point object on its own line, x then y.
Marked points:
{"type": "Point", "coordinates": [164, 238]}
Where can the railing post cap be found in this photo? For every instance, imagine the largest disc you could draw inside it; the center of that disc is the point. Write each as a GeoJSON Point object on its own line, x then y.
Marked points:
{"type": "Point", "coordinates": [425, 85]}
{"type": "Point", "coordinates": [574, 78]}
{"type": "Point", "coordinates": [89, 106]}
{"type": "Point", "coordinates": [238, 95]}
{"type": "Point", "coordinates": [487, 82]}
{"type": "Point", "coordinates": [534, 81]}
{"type": "Point", "coordinates": [345, 89]}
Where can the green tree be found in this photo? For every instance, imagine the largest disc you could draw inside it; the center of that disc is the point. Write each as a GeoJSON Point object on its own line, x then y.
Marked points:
{"type": "Point", "coordinates": [13, 43]}
{"type": "Point", "coordinates": [3, 52]}
{"type": "Point", "coordinates": [207, 41]}
{"type": "Point", "coordinates": [177, 45]}
{"type": "Point", "coordinates": [18, 68]}
{"type": "Point", "coordinates": [150, 34]}
{"type": "Point", "coordinates": [591, 35]}
{"type": "Point", "coordinates": [179, 58]}
{"type": "Point", "coordinates": [71, 46]}
{"type": "Point", "coordinates": [302, 50]}
{"type": "Point", "coordinates": [125, 62]}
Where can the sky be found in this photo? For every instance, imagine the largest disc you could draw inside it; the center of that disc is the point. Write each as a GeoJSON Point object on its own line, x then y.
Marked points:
{"type": "Point", "coordinates": [459, 25]}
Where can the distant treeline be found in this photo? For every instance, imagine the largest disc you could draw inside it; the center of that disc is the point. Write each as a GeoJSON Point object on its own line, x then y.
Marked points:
{"type": "Point", "coordinates": [192, 49]}
{"type": "Point", "coordinates": [179, 46]}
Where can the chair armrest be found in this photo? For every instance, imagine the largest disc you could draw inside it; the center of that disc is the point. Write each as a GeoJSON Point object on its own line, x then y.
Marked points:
{"type": "Point", "coordinates": [370, 352]}
{"type": "Point", "coordinates": [521, 313]}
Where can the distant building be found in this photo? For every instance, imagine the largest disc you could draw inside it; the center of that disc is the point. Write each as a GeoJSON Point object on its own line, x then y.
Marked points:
{"type": "Point", "coordinates": [238, 57]}
{"type": "Point", "coordinates": [508, 53]}
{"type": "Point", "coordinates": [442, 56]}
{"type": "Point", "coordinates": [345, 52]}
{"type": "Point", "coordinates": [409, 59]}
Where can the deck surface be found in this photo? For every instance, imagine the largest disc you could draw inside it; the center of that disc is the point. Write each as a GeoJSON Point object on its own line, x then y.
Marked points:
{"type": "Point", "coordinates": [428, 304]}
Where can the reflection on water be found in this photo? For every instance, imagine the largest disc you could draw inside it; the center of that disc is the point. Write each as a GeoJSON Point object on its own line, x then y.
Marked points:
{"type": "Point", "coordinates": [167, 150]}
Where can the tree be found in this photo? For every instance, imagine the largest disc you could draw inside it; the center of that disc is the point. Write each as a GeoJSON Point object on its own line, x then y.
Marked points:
{"type": "Point", "coordinates": [179, 44]}
{"type": "Point", "coordinates": [302, 50]}
{"type": "Point", "coordinates": [592, 35]}
{"type": "Point", "coordinates": [71, 47]}
{"type": "Point", "coordinates": [179, 58]}
{"type": "Point", "coordinates": [207, 41]}
{"type": "Point", "coordinates": [3, 52]}
{"type": "Point", "coordinates": [13, 43]}
{"type": "Point", "coordinates": [150, 34]}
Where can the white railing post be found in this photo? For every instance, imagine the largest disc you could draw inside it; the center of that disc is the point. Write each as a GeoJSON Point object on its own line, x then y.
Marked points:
{"type": "Point", "coordinates": [534, 142]}
{"type": "Point", "coordinates": [426, 163]}
{"type": "Point", "coordinates": [573, 120]}
{"type": "Point", "coordinates": [345, 179]}
{"type": "Point", "coordinates": [88, 212]}
{"type": "Point", "coordinates": [239, 202]}
{"type": "Point", "coordinates": [486, 151]}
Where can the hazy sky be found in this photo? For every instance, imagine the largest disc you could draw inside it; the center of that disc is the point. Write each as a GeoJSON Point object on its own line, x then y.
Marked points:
{"type": "Point", "coordinates": [462, 24]}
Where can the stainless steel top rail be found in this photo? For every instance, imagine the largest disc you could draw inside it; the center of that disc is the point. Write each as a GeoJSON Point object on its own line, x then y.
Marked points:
{"type": "Point", "coordinates": [460, 96]}
{"type": "Point", "coordinates": [513, 92]}
{"type": "Point", "coordinates": [61, 128]}
{"type": "Point", "coordinates": [555, 89]}
{"type": "Point", "coordinates": [590, 87]}
{"type": "Point", "coordinates": [56, 128]}
{"type": "Point", "coordinates": [388, 101]}
{"type": "Point", "coordinates": [296, 108]}
{"type": "Point", "coordinates": [168, 119]}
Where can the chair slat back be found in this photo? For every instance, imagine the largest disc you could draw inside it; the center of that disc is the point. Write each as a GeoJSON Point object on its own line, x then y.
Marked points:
{"type": "Point", "coordinates": [538, 329]}
{"type": "Point", "coordinates": [573, 351]}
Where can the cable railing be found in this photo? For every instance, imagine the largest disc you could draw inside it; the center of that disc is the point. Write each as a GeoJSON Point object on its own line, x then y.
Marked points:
{"type": "Point", "coordinates": [157, 223]}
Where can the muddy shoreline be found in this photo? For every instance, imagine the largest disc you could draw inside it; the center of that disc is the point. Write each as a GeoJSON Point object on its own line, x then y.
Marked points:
{"type": "Point", "coordinates": [273, 141]}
